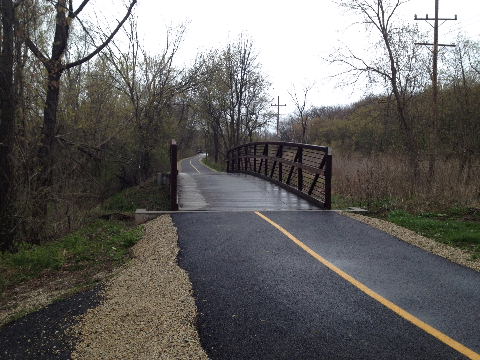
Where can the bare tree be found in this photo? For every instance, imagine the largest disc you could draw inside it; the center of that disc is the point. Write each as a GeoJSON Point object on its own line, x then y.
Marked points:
{"type": "Point", "coordinates": [256, 116]}
{"type": "Point", "coordinates": [397, 66]}
{"type": "Point", "coordinates": [242, 75]}
{"type": "Point", "coordinates": [211, 105]}
{"type": "Point", "coordinates": [157, 91]}
{"type": "Point", "coordinates": [55, 66]}
{"type": "Point", "coordinates": [302, 112]}
{"type": "Point", "coordinates": [232, 98]}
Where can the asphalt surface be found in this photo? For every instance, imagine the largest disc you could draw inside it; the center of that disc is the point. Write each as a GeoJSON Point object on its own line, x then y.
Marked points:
{"type": "Point", "coordinates": [260, 296]}
{"type": "Point", "coordinates": [200, 188]}
{"type": "Point", "coordinates": [43, 335]}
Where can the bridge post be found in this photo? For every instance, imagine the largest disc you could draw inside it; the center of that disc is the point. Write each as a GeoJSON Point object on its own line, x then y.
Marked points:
{"type": "Point", "coordinates": [280, 164]}
{"type": "Point", "coordinates": [328, 179]}
{"type": "Point", "coordinates": [245, 162]}
{"type": "Point", "coordinates": [265, 152]}
{"type": "Point", "coordinates": [228, 161]}
{"type": "Point", "coordinates": [255, 158]}
{"type": "Point", "coordinates": [173, 176]}
{"type": "Point", "coordinates": [300, 170]}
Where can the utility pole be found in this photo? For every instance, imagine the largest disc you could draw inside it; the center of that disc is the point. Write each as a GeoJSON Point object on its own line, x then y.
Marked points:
{"type": "Point", "coordinates": [278, 113]}
{"type": "Point", "coordinates": [434, 133]}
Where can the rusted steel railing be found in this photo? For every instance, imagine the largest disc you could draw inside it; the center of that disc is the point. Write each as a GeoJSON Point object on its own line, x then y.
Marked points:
{"type": "Point", "coordinates": [303, 169]}
{"type": "Point", "coordinates": [173, 176]}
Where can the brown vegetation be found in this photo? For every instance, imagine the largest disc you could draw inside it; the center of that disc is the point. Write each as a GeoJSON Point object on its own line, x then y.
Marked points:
{"type": "Point", "coordinates": [383, 182]}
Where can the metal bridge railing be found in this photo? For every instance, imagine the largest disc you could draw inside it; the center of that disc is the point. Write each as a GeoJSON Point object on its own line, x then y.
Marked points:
{"type": "Point", "coordinates": [303, 169]}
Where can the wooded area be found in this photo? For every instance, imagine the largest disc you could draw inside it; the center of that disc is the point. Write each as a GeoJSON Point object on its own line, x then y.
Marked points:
{"type": "Point", "coordinates": [86, 111]}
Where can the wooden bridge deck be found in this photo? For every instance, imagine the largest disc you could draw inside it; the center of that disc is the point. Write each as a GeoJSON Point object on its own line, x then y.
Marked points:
{"type": "Point", "coordinates": [201, 188]}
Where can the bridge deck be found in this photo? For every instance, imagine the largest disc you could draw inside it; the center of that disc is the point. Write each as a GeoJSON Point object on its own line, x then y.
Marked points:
{"type": "Point", "coordinates": [201, 188]}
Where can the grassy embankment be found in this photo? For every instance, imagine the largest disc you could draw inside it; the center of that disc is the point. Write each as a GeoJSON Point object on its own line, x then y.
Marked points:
{"type": "Point", "coordinates": [100, 246]}
{"type": "Point", "coordinates": [459, 227]}
{"type": "Point", "coordinates": [216, 166]}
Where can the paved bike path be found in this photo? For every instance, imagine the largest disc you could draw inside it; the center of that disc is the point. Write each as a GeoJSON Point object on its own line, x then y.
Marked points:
{"type": "Point", "coordinates": [260, 296]}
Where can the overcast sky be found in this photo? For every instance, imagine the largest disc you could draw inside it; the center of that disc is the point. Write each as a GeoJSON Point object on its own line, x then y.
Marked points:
{"type": "Point", "coordinates": [291, 37]}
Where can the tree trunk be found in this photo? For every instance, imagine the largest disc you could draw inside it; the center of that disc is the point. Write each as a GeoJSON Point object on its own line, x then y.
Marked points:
{"type": "Point", "coordinates": [7, 129]}
{"type": "Point", "coordinates": [216, 144]}
{"type": "Point", "coordinates": [45, 157]}
{"type": "Point", "coordinates": [49, 125]}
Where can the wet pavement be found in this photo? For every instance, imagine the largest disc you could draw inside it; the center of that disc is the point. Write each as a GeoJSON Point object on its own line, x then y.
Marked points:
{"type": "Point", "coordinates": [260, 296]}
{"type": "Point", "coordinates": [43, 334]}
{"type": "Point", "coordinates": [201, 188]}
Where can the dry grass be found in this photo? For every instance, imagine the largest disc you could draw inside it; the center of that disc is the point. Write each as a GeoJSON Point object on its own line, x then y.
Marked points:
{"type": "Point", "coordinates": [385, 181]}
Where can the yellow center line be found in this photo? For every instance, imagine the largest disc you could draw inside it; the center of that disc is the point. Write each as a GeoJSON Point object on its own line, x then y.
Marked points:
{"type": "Point", "coordinates": [395, 308]}
{"type": "Point", "coordinates": [194, 166]}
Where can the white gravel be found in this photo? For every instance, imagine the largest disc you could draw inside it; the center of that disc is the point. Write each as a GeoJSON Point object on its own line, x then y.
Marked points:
{"type": "Point", "coordinates": [453, 254]}
{"type": "Point", "coordinates": [148, 310]}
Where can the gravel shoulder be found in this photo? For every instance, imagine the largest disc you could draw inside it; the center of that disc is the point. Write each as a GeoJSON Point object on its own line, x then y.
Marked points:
{"type": "Point", "coordinates": [148, 311]}
{"type": "Point", "coordinates": [453, 254]}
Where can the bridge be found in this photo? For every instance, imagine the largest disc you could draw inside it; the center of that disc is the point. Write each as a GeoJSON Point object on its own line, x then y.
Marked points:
{"type": "Point", "coordinates": [275, 276]}
{"type": "Point", "coordinates": [298, 178]}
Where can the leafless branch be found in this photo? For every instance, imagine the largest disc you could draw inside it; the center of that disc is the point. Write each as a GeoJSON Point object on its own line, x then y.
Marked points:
{"type": "Point", "coordinates": [105, 43]}
{"type": "Point", "coordinates": [79, 9]}
{"type": "Point", "coordinates": [36, 51]}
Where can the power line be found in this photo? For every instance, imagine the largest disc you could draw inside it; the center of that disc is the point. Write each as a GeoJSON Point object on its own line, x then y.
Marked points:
{"type": "Point", "coordinates": [435, 45]}
{"type": "Point", "coordinates": [278, 113]}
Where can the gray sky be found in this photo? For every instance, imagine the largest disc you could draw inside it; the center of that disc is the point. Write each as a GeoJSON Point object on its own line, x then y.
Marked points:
{"type": "Point", "coordinates": [291, 37]}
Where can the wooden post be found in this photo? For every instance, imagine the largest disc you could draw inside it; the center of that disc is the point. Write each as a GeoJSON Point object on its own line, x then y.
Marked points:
{"type": "Point", "coordinates": [280, 164]}
{"type": "Point", "coordinates": [245, 163]}
{"type": "Point", "coordinates": [328, 180]}
{"type": "Point", "coordinates": [228, 160]}
{"type": "Point", "coordinates": [255, 158]}
{"type": "Point", "coordinates": [239, 164]}
{"type": "Point", "coordinates": [300, 170]}
{"type": "Point", "coordinates": [265, 152]}
{"type": "Point", "coordinates": [173, 176]}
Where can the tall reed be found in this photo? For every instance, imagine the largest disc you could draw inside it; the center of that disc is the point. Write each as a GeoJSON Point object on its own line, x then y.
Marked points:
{"type": "Point", "coordinates": [385, 181]}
